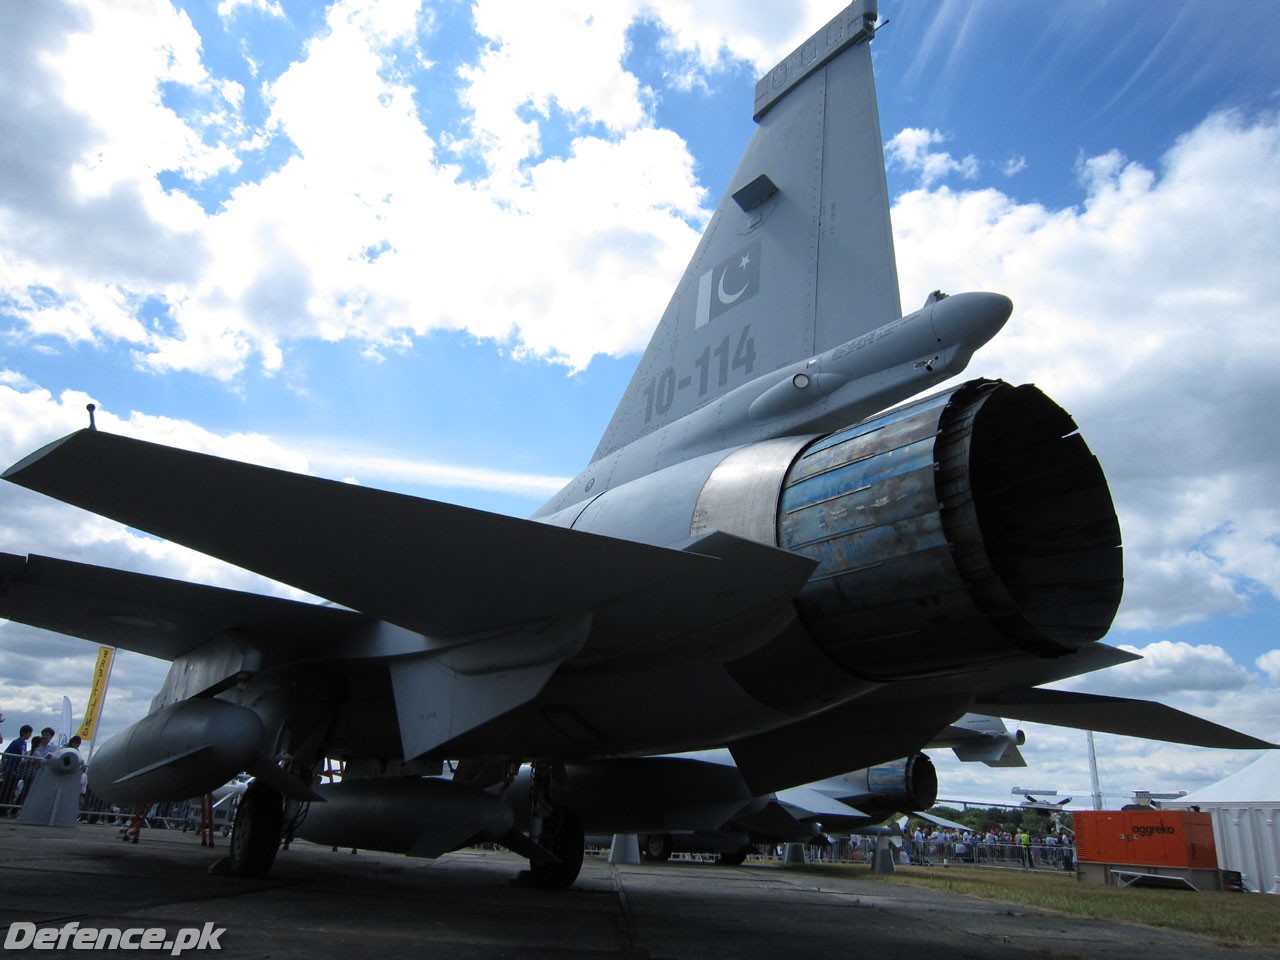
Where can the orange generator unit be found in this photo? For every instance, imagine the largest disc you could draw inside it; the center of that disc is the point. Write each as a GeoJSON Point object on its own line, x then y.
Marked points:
{"type": "Point", "coordinates": [1172, 848]}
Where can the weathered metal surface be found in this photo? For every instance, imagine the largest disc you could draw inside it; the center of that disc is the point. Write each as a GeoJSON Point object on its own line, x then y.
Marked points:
{"type": "Point", "coordinates": [970, 526]}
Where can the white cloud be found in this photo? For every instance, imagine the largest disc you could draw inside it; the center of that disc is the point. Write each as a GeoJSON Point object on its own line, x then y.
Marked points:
{"type": "Point", "coordinates": [1014, 166]}
{"type": "Point", "coordinates": [366, 232]}
{"type": "Point", "coordinates": [229, 9]}
{"type": "Point", "coordinates": [1152, 313]}
{"type": "Point", "coordinates": [365, 467]}
{"type": "Point", "coordinates": [910, 149]}
{"type": "Point", "coordinates": [1167, 668]}
{"type": "Point", "coordinates": [1269, 663]}
{"type": "Point", "coordinates": [1203, 680]}
{"type": "Point", "coordinates": [32, 416]}
{"type": "Point", "coordinates": [525, 66]}
{"type": "Point", "coordinates": [716, 32]}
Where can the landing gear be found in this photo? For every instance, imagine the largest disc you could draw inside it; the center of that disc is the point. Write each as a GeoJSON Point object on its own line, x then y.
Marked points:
{"type": "Point", "coordinates": [554, 828]}
{"type": "Point", "coordinates": [256, 835]}
{"type": "Point", "coordinates": [656, 847]}
{"type": "Point", "coordinates": [735, 858]}
{"type": "Point", "coordinates": [561, 835]}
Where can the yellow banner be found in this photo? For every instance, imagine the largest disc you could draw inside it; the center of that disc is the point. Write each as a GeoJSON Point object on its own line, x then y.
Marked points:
{"type": "Point", "coordinates": [101, 674]}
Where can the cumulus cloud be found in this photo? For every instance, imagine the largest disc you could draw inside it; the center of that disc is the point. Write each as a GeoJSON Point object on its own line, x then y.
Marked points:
{"type": "Point", "coordinates": [33, 416]}
{"type": "Point", "coordinates": [1269, 663]}
{"type": "Point", "coordinates": [717, 32]}
{"type": "Point", "coordinates": [1167, 667]}
{"type": "Point", "coordinates": [1152, 313]}
{"type": "Point", "coordinates": [229, 9]}
{"type": "Point", "coordinates": [911, 150]}
{"type": "Point", "coordinates": [1149, 309]}
{"type": "Point", "coordinates": [1014, 166]}
{"type": "Point", "coordinates": [366, 231]}
{"type": "Point", "coordinates": [1202, 679]}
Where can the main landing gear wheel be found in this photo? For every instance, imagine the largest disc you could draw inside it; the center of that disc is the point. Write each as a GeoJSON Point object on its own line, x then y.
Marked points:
{"type": "Point", "coordinates": [734, 858]}
{"type": "Point", "coordinates": [657, 847]}
{"type": "Point", "coordinates": [562, 835]}
{"type": "Point", "coordinates": [256, 835]}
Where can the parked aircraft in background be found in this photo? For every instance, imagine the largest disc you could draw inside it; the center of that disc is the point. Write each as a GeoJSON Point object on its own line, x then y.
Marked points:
{"type": "Point", "coordinates": [669, 801]}
{"type": "Point", "coordinates": [763, 554]}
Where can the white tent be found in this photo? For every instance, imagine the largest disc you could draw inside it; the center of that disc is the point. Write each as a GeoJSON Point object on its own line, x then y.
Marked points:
{"type": "Point", "coordinates": [1246, 821]}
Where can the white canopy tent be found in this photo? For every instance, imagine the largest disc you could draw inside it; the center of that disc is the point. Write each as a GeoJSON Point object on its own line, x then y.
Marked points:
{"type": "Point", "coordinates": [1246, 821]}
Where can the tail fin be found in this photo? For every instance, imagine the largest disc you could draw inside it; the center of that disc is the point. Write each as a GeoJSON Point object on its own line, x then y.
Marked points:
{"type": "Point", "coordinates": [798, 257]}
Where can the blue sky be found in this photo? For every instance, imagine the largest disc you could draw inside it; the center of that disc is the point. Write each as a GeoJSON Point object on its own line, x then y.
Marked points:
{"type": "Point", "coordinates": [420, 245]}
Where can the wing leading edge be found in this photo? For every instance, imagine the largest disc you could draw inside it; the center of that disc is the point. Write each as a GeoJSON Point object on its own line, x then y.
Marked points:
{"type": "Point", "coordinates": [431, 567]}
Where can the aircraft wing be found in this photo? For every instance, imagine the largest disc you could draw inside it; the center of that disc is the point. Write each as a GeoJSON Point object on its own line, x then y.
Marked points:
{"type": "Point", "coordinates": [153, 615]}
{"type": "Point", "coordinates": [1130, 718]}
{"type": "Point", "coordinates": [431, 567]}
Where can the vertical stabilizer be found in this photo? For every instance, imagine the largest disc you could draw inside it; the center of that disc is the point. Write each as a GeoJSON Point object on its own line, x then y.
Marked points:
{"type": "Point", "coordinates": [798, 257]}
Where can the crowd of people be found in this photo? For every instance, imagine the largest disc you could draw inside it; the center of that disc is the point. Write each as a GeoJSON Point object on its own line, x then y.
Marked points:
{"type": "Point", "coordinates": [20, 760]}
{"type": "Point", "coordinates": [1053, 848]}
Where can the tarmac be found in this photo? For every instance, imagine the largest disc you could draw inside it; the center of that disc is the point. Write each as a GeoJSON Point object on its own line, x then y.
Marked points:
{"type": "Point", "coordinates": [319, 903]}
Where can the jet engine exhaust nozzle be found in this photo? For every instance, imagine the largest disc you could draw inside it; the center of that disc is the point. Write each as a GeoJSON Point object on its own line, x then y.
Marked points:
{"type": "Point", "coordinates": [971, 526]}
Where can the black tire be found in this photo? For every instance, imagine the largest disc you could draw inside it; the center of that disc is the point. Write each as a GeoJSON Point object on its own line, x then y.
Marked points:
{"type": "Point", "coordinates": [734, 858]}
{"type": "Point", "coordinates": [562, 835]}
{"type": "Point", "coordinates": [656, 847]}
{"type": "Point", "coordinates": [255, 838]}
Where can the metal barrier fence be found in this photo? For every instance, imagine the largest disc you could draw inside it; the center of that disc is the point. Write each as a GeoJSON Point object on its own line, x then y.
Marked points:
{"type": "Point", "coordinates": [1013, 856]}
{"type": "Point", "coordinates": [1010, 856]}
{"type": "Point", "coordinates": [17, 774]}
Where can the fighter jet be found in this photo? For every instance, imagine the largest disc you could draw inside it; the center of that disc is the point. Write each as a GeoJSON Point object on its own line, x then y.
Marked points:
{"type": "Point", "coordinates": [774, 548]}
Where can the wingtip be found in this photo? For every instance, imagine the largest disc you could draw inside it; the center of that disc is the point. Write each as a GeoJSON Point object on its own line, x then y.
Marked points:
{"type": "Point", "coordinates": [15, 472]}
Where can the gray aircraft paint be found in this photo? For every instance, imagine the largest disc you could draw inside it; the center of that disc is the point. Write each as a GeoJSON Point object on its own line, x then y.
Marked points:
{"type": "Point", "coordinates": [965, 545]}
{"type": "Point", "coordinates": [815, 239]}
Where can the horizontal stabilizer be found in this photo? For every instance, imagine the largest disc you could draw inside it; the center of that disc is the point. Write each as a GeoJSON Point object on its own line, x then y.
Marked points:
{"type": "Point", "coordinates": [976, 738]}
{"type": "Point", "coordinates": [940, 821]}
{"type": "Point", "coordinates": [431, 567]}
{"type": "Point", "coordinates": [996, 754]}
{"type": "Point", "coordinates": [806, 803]}
{"type": "Point", "coordinates": [156, 616]}
{"type": "Point", "coordinates": [1130, 718]}
{"type": "Point", "coordinates": [1012, 757]}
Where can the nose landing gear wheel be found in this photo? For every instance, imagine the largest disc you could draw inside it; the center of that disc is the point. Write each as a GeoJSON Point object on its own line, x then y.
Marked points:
{"type": "Point", "coordinates": [256, 835]}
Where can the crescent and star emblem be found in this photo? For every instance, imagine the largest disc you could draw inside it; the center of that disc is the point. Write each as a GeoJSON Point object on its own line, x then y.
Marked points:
{"type": "Point", "coordinates": [727, 298]}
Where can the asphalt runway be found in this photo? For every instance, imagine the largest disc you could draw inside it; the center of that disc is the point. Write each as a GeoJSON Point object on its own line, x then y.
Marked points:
{"type": "Point", "coordinates": [318, 903]}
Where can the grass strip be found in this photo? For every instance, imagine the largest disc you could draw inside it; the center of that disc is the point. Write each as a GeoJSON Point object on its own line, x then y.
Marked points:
{"type": "Point", "coordinates": [1230, 919]}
